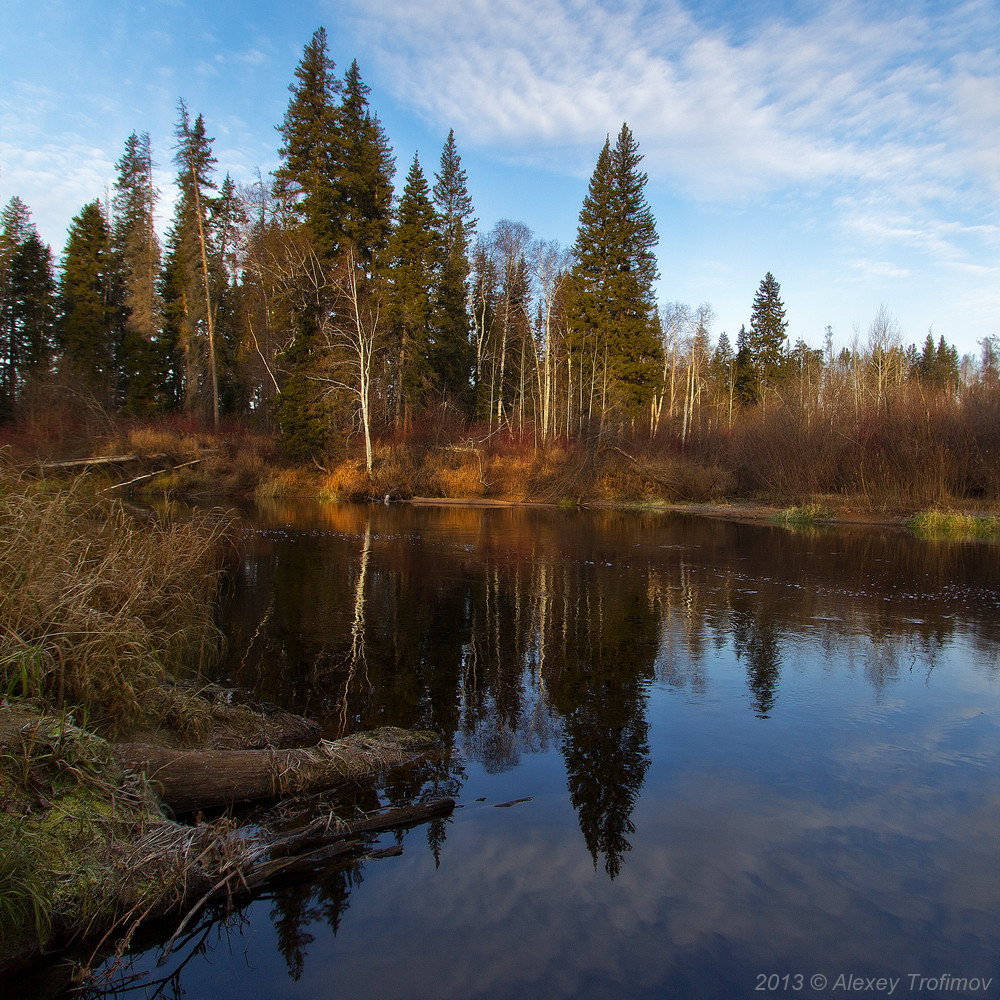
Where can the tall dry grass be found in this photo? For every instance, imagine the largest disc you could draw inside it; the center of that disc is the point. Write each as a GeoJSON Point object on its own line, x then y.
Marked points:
{"type": "Point", "coordinates": [99, 610]}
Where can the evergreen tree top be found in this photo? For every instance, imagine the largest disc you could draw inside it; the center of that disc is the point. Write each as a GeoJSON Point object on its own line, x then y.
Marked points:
{"type": "Point", "coordinates": [135, 194]}
{"type": "Point", "coordinates": [317, 84]}
{"type": "Point", "coordinates": [15, 223]}
{"type": "Point", "coordinates": [767, 320]}
{"type": "Point", "coordinates": [617, 231]}
{"type": "Point", "coordinates": [193, 153]}
{"type": "Point", "coordinates": [415, 202]}
{"type": "Point", "coordinates": [354, 102]}
{"type": "Point", "coordinates": [452, 198]}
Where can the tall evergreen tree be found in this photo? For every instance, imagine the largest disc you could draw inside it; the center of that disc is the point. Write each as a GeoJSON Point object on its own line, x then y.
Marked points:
{"type": "Point", "coordinates": [451, 358]}
{"type": "Point", "coordinates": [141, 363]}
{"type": "Point", "coordinates": [27, 304]}
{"type": "Point", "coordinates": [15, 224]}
{"type": "Point", "coordinates": [415, 253]}
{"type": "Point", "coordinates": [308, 178]}
{"type": "Point", "coordinates": [307, 186]}
{"type": "Point", "coordinates": [365, 168]}
{"type": "Point", "coordinates": [228, 223]}
{"type": "Point", "coordinates": [762, 351]}
{"type": "Point", "coordinates": [192, 268]}
{"type": "Point", "coordinates": [87, 303]}
{"type": "Point", "coordinates": [612, 304]}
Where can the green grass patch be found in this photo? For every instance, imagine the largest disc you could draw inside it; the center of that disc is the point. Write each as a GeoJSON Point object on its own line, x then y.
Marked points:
{"type": "Point", "coordinates": [945, 524]}
{"type": "Point", "coordinates": [804, 516]}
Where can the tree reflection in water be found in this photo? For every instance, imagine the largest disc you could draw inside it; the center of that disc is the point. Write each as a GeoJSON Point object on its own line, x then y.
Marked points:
{"type": "Point", "coordinates": [511, 632]}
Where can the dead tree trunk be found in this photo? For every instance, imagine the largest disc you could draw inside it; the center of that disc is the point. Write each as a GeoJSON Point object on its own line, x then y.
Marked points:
{"type": "Point", "coordinates": [187, 780]}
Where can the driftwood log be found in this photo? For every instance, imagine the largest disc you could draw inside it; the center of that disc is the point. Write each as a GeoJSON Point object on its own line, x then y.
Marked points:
{"type": "Point", "coordinates": [188, 780]}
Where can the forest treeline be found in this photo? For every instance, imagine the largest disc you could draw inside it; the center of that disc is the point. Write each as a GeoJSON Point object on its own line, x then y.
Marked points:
{"type": "Point", "coordinates": [323, 306]}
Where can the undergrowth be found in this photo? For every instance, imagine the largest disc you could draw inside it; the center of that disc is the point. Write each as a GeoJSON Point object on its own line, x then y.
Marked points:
{"type": "Point", "coordinates": [99, 610]}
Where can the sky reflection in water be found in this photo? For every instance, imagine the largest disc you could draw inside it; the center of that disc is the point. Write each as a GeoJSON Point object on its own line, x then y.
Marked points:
{"type": "Point", "coordinates": [748, 751]}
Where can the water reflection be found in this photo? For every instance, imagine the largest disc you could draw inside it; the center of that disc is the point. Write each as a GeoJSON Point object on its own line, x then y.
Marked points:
{"type": "Point", "coordinates": [712, 705]}
{"type": "Point", "coordinates": [511, 631]}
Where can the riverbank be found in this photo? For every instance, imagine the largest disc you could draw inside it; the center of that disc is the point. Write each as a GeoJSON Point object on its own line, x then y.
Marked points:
{"type": "Point", "coordinates": [727, 511]}
{"type": "Point", "coordinates": [109, 735]}
{"type": "Point", "coordinates": [172, 460]}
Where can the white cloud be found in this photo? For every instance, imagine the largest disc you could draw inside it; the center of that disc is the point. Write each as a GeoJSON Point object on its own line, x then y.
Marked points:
{"type": "Point", "coordinates": [55, 180]}
{"type": "Point", "coordinates": [880, 269]}
{"type": "Point", "coordinates": [253, 57]}
{"type": "Point", "coordinates": [854, 96]}
{"type": "Point", "coordinates": [882, 122]}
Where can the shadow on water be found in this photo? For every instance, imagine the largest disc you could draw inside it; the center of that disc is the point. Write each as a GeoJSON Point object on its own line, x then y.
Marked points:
{"type": "Point", "coordinates": [529, 634]}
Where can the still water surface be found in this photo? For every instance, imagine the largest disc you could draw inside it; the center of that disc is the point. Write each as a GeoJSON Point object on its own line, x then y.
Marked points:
{"type": "Point", "coordinates": [747, 752]}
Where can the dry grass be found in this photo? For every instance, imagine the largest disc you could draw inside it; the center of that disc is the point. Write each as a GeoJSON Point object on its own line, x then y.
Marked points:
{"type": "Point", "coordinates": [454, 473]}
{"type": "Point", "coordinates": [348, 480]}
{"type": "Point", "coordinates": [97, 609]}
{"type": "Point", "coordinates": [279, 483]}
{"type": "Point", "coordinates": [232, 461]}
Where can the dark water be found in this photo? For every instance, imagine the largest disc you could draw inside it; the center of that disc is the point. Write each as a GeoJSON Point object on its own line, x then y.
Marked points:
{"type": "Point", "coordinates": [748, 752]}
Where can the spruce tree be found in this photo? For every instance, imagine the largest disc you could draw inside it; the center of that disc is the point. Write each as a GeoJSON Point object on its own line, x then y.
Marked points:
{"type": "Point", "coordinates": [87, 303]}
{"type": "Point", "coordinates": [141, 365]}
{"type": "Point", "coordinates": [15, 223]}
{"type": "Point", "coordinates": [937, 364]}
{"type": "Point", "coordinates": [228, 223]}
{"type": "Point", "coordinates": [451, 358]}
{"type": "Point", "coordinates": [612, 303]}
{"type": "Point", "coordinates": [415, 253]}
{"type": "Point", "coordinates": [307, 180]}
{"type": "Point", "coordinates": [192, 270]}
{"type": "Point", "coordinates": [27, 305]}
{"type": "Point", "coordinates": [365, 169]}
{"type": "Point", "coordinates": [307, 186]}
{"type": "Point", "coordinates": [761, 357]}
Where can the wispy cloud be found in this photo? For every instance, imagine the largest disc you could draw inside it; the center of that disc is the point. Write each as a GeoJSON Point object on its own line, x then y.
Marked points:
{"type": "Point", "coordinates": [70, 172]}
{"type": "Point", "coordinates": [880, 269]}
{"type": "Point", "coordinates": [907, 102]}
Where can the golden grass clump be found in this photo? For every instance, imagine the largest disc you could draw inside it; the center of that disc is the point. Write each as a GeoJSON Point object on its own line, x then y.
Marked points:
{"type": "Point", "coordinates": [348, 480]}
{"type": "Point", "coordinates": [295, 482]}
{"type": "Point", "coordinates": [457, 476]}
{"type": "Point", "coordinates": [98, 609]}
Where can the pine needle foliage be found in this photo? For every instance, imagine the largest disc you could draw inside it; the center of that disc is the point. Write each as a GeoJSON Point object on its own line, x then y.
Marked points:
{"type": "Point", "coordinates": [612, 302]}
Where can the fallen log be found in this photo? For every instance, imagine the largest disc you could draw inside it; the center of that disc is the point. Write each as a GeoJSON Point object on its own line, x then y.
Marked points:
{"type": "Point", "coordinates": [325, 829]}
{"type": "Point", "coordinates": [151, 475]}
{"type": "Point", "coordinates": [217, 869]}
{"type": "Point", "coordinates": [188, 780]}
{"type": "Point", "coordinates": [78, 463]}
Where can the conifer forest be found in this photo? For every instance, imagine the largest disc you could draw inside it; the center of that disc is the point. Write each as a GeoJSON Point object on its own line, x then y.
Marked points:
{"type": "Point", "coordinates": [345, 316]}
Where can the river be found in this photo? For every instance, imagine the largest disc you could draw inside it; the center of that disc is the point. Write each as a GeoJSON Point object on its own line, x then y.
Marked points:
{"type": "Point", "coordinates": [743, 760]}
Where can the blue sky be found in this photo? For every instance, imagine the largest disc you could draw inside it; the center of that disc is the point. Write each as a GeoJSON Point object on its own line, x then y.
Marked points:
{"type": "Point", "coordinates": [850, 147]}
